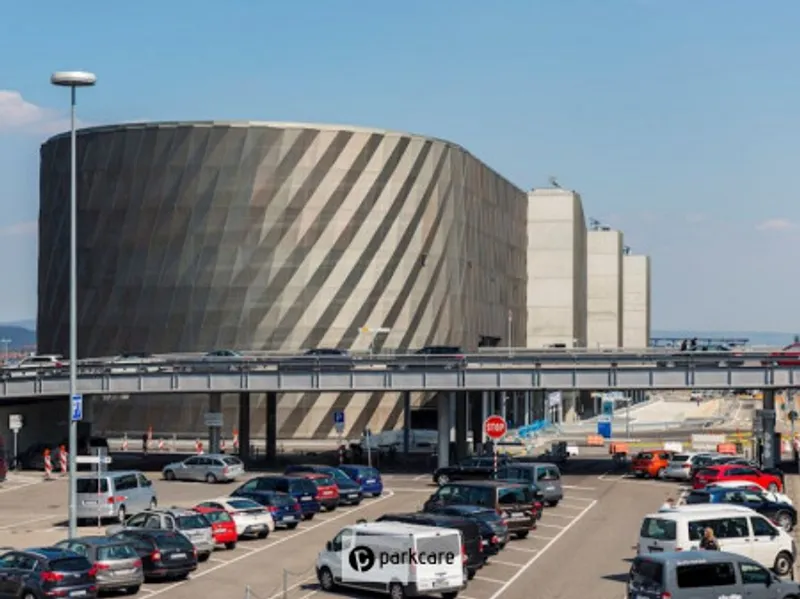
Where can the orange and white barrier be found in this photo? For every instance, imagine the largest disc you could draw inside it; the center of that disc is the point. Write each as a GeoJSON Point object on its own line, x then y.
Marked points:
{"type": "Point", "coordinates": [48, 465]}
{"type": "Point", "coordinates": [161, 445]}
{"type": "Point", "coordinates": [62, 458]}
{"type": "Point", "coordinates": [235, 440]}
{"type": "Point", "coordinates": [222, 444]}
{"type": "Point", "coordinates": [595, 441]}
{"type": "Point", "coordinates": [125, 443]}
{"type": "Point", "coordinates": [198, 445]}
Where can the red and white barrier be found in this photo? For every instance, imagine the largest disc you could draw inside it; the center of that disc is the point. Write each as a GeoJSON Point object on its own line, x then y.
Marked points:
{"type": "Point", "coordinates": [235, 440]}
{"type": "Point", "coordinates": [222, 444]}
{"type": "Point", "coordinates": [198, 445]}
{"type": "Point", "coordinates": [48, 465]}
{"type": "Point", "coordinates": [62, 458]}
{"type": "Point", "coordinates": [161, 445]}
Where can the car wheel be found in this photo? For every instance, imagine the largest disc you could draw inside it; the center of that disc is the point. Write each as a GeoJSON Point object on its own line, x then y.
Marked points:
{"type": "Point", "coordinates": [210, 478]}
{"type": "Point", "coordinates": [396, 591]}
{"type": "Point", "coordinates": [325, 577]}
{"type": "Point", "coordinates": [308, 516]}
{"type": "Point", "coordinates": [292, 526]}
{"type": "Point", "coordinates": [784, 520]}
{"type": "Point", "coordinates": [121, 515]}
{"type": "Point", "coordinates": [772, 487]}
{"type": "Point", "coordinates": [450, 595]}
{"type": "Point", "coordinates": [553, 503]}
{"type": "Point", "coordinates": [523, 534]}
{"type": "Point", "coordinates": [153, 504]}
{"type": "Point", "coordinates": [442, 479]}
{"type": "Point", "coordinates": [132, 590]}
{"type": "Point", "coordinates": [203, 557]}
{"type": "Point", "coordinates": [783, 564]}
{"type": "Point", "coordinates": [263, 534]}
{"type": "Point", "coordinates": [230, 545]}
{"type": "Point", "coordinates": [169, 475]}
{"type": "Point", "coordinates": [471, 574]}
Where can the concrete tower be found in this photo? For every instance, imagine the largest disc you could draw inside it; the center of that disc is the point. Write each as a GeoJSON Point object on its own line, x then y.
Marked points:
{"type": "Point", "coordinates": [604, 312]}
{"type": "Point", "coordinates": [635, 301]}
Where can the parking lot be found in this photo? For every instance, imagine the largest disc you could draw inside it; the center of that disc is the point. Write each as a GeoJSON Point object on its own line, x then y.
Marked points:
{"type": "Point", "coordinates": [579, 549]}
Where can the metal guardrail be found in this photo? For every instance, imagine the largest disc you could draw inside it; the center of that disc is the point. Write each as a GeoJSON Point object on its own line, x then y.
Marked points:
{"type": "Point", "coordinates": [327, 377]}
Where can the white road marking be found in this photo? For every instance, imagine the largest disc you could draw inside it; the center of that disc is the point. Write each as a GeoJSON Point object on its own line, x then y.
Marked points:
{"type": "Point", "coordinates": [293, 587]}
{"type": "Point", "coordinates": [571, 507]}
{"type": "Point", "coordinates": [574, 498]}
{"type": "Point", "coordinates": [552, 525]}
{"type": "Point", "coordinates": [522, 549]}
{"type": "Point", "coordinates": [348, 513]}
{"type": "Point", "coordinates": [492, 580]}
{"type": "Point", "coordinates": [311, 594]}
{"type": "Point", "coordinates": [499, 593]}
{"type": "Point", "coordinates": [217, 561]}
{"type": "Point", "coordinates": [422, 477]}
{"type": "Point", "coordinates": [20, 486]}
{"type": "Point", "coordinates": [24, 522]}
{"type": "Point", "coordinates": [552, 515]}
{"type": "Point", "coordinates": [410, 490]}
{"type": "Point", "coordinates": [463, 596]}
{"type": "Point", "coordinates": [578, 488]}
{"type": "Point", "coordinates": [501, 563]}
{"type": "Point", "coordinates": [540, 537]}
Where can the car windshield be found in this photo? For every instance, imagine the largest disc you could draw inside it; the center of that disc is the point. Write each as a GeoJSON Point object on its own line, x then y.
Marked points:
{"type": "Point", "coordinates": [302, 485]}
{"type": "Point", "coordinates": [89, 485]}
{"type": "Point", "coordinates": [681, 457]}
{"type": "Point", "coordinates": [192, 522]}
{"type": "Point", "coordinates": [232, 461]}
{"type": "Point", "coordinates": [171, 541]}
{"type": "Point", "coordinates": [368, 473]}
{"type": "Point", "coordinates": [708, 472]}
{"type": "Point", "coordinates": [325, 481]}
{"type": "Point", "coordinates": [339, 476]}
{"type": "Point", "coordinates": [644, 456]}
{"type": "Point", "coordinates": [114, 552]}
{"type": "Point", "coordinates": [659, 529]}
{"type": "Point", "coordinates": [281, 500]}
{"type": "Point", "coordinates": [217, 516]}
{"type": "Point", "coordinates": [70, 564]}
{"type": "Point", "coordinates": [694, 498]}
{"type": "Point", "coordinates": [488, 516]}
{"type": "Point", "coordinates": [243, 504]}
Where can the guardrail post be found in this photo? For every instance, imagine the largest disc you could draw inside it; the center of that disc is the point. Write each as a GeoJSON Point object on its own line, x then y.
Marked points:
{"type": "Point", "coordinates": [285, 583]}
{"type": "Point", "coordinates": [174, 442]}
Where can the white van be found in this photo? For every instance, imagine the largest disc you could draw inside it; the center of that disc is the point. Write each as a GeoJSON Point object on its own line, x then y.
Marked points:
{"type": "Point", "coordinates": [738, 530]}
{"type": "Point", "coordinates": [399, 559]}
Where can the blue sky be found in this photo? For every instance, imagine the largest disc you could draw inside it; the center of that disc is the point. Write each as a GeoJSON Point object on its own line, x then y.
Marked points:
{"type": "Point", "coordinates": [676, 120]}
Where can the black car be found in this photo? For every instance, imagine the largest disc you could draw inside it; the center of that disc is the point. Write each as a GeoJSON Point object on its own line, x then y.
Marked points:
{"type": "Point", "coordinates": [477, 468]}
{"type": "Point", "coordinates": [165, 554]}
{"type": "Point", "coordinates": [494, 531]}
{"type": "Point", "coordinates": [349, 490]}
{"type": "Point", "coordinates": [470, 534]}
{"type": "Point", "coordinates": [47, 572]}
{"type": "Point", "coordinates": [783, 514]}
{"type": "Point", "coordinates": [320, 359]}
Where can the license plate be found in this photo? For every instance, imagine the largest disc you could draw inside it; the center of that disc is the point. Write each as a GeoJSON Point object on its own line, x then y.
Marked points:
{"type": "Point", "coordinates": [178, 556]}
{"type": "Point", "coordinates": [126, 572]}
{"type": "Point", "coordinates": [517, 515]}
{"type": "Point", "coordinates": [90, 502]}
{"type": "Point", "coordinates": [305, 498]}
{"type": "Point", "coordinates": [550, 488]}
{"type": "Point", "coordinates": [77, 594]}
{"type": "Point", "coordinates": [288, 518]}
{"type": "Point", "coordinates": [352, 495]}
{"type": "Point", "coordinates": [484, 543]}
{"type": "Point", "coordinates": [370, 481]}
{"type": "Point", "coordinates": [655, 549]}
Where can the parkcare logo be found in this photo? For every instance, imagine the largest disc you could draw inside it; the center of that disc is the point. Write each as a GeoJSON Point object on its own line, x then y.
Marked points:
{"type": "Point", "coordinates": [363, 559]}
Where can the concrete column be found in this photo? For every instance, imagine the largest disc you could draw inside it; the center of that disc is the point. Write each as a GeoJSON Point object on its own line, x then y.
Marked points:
{"type": "Point", "coordinates": [527, 408]}
{"type": "Point", "coordinates": [451, 398]}
{"type": "Point", "coordinates": [461, 425]}
{"type": "Point", "coordinates": [503, 402]}
{"type": "Point", "coordinates": [443, 426]}
{"type": "Point", "coordinates": [560, 409]}
{"type": "Point", "coordinates": [768, 449]}
{"type": "Point", "coordinates": [476, 419]}
{"type": "Point", "coordinates": [406, 423]}
{"type": "Point", "coordinates": [244, 426]}
{"type": "Point", "coordinates": [272, 426]}
{"type": "Point", "coordinates": [214, 432]}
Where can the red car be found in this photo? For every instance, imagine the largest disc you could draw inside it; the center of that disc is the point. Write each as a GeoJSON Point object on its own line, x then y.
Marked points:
{"type": "Point", "coordinates": [327, 489]}
{"type": "Point", "coordinates": [788, 356]}
{"type": "Point", "coordinates": [726, 472]}
{"type": "Point", "coordinates": [222, 526]}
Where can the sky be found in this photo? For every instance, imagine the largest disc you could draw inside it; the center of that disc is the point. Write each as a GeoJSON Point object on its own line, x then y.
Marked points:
{"type": "Point", "coordinates": [676, 120]}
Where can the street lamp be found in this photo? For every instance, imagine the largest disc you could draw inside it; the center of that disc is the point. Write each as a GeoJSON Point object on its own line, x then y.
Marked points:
{"type": "Point", "coordinates": [73, 80]}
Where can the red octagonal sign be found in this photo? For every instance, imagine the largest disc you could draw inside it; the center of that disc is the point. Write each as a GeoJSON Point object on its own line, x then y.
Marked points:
{"type": "Point", "coordinates": [495, 427]}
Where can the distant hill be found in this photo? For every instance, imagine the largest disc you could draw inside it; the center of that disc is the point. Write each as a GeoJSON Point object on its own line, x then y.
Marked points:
{"type": "Point", "coordinates": [767, 338]}
{"type": "Point", "coordinates": [29, 324]}
{"type": "Point", "coordinates": [20, 337]}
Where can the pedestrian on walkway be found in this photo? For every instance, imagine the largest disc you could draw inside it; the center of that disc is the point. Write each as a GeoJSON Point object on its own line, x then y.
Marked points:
{"type": "Point", "coordinates": [669, 504]}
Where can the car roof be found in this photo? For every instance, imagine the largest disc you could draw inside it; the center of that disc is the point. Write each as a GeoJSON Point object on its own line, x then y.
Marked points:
{"type": "Point", "coordinates": [96, 540]}
{"type": "Point", "coordinates": [469, 509]}
{"type": "Point", "coordinates": [695, 556]}
{"type": "Point", "coordinates": [396, 528]}
{"type": "Point", "coordinates": [51, 553]}
{"type": "Point", "coordinates": [484, 483]}
{"type": "Point", "coordinates": [445, 518]}
{"type": "Point", "coordinates": [321, 466]}
{"type": "Point", "coordinates": [110, 474]}
{"type": "Point", "coordinates": [212, 455]}
{"type": "Point", "coordinates": [173, 511]}
{"type": "Point", "coordinates": [708, 510]}
{"type": "Point", "coordinates": [308, 475]}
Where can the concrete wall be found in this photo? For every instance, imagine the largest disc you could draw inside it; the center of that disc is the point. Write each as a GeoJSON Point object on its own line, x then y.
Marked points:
{"type": "Point", "coordinates": [604, 291]}
{"type": "Point", "coordinates": [556, 269]}
{"type": "Point", "coordinates": [636, 301]}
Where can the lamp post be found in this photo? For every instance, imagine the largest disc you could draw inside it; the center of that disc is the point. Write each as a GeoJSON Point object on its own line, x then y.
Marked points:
{"type": "Point", "coordinates": [5, 343]}
{"type": "Point", "coordinates": [73, 80]}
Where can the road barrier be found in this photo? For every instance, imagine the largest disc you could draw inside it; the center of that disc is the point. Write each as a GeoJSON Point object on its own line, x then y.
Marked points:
{"type": "Point", "coordinates": [48, 465]}
{"type": "Point", "coordinates": [62, 459]}
{"type": "Point", "coordinates": [595, 441]}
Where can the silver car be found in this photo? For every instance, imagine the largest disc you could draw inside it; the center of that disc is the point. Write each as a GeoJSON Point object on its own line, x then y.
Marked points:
{"type": "Point", "coordinates": [114, 495]}
{"type": "Point", "coordinates": [118, 565]}
{"type": "Point", "coordinates": [683, 465]}
{"type": "Point", "coordinates": [192, 525]}
{"type": "Point", "coordinates": [211, 468]}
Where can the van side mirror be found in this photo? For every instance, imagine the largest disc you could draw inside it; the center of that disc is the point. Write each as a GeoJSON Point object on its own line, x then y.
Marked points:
{"type": "Point", "coordinates": [329, 546]}
{"type": "Point", "coordinates": [148, 483]}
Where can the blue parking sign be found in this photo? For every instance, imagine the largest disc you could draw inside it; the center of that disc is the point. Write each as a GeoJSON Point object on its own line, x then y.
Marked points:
{"type": "Point", "coordinates": [338, 417]}
{"type": "Point", "coordinates": [77, 407]}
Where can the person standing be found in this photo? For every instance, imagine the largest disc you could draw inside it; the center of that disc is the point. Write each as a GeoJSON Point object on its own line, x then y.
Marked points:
{"type": "Point", "coordinates": [669, 504]}
{"type": "Point", "coordinates": [709, 541]}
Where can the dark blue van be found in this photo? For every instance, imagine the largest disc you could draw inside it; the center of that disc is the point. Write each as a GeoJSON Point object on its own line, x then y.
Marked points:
{"type": "Point", "coordinates": [369, 478]}
{"type": "Point", "coordinates": [349, 490]}
{"type": "Point", "coordinates": [304, 491]}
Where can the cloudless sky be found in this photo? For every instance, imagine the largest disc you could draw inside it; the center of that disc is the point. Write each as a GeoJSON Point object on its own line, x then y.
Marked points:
{"type": "Point", "coordinates": [677, 121]}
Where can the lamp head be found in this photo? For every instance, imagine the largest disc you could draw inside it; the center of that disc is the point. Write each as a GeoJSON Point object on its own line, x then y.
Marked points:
{"type": "Point", "coordinates": [73, 78]}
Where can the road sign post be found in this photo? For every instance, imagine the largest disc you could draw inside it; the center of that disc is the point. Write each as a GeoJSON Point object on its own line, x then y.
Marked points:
{"type": "Point", "coordinates": [338, 423]}
{"type": "Point", "coordinates": [15, 424]}
{"type": "Point", "coordinates": [495, 428]}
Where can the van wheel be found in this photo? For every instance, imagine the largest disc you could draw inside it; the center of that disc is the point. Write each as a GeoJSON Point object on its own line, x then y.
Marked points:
{"type": "Point", "coordinates": [471, 574]}
{"type": "Point", "coordinates": [783, 564]}
{"type": "Point", "coordinates": [211, 479]}
{"type": "Point", "coordinates": [325, 577]}
{"type": "Point", "coordinates": [442, 479]}
{"type": "Point", "coordinates": [396, 591]}
{"type": "Point", "coordinates": [121, 515]}
{"type": "Point", "coordinates": [169, 475]}
{"type": "Point", "coordinates": [450, 595]}
{"type": "Point", "coordinates": [784, 520]}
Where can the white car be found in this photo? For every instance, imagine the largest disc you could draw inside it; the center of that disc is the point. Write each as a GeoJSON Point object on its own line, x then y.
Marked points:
{"type": "Point", "coordinates": [136, 362]}
{"type": "Point", "coordinates": [33, 364]}
{"type": "Point", "coordinates": [751, 486]}
{"type": "Point", "coordinates": [251, 518]}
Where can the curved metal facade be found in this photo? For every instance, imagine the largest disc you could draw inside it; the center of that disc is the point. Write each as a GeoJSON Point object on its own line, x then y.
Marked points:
{"type": "Point", "coordinates": [195, 236]}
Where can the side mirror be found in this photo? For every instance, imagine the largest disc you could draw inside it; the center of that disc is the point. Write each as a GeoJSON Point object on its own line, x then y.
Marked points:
{"type": "Point", "coordinates": [329, 546]}
{"type": "Point", "coordinates": [148, 483]}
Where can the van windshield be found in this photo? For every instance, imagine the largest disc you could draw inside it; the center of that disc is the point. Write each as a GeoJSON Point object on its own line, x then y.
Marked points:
{"type": "Point", "coordinates": [659, 529]}
{"type": "Point", "coordinates": [511, 495]}
{"type": "Point", "coordinates": [647, 575]}
{"type": "Point", "coordinates": [89, 485]}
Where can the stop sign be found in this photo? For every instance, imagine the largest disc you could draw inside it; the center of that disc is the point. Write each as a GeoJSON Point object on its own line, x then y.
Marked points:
{"type": "Point", "coordinates": [495, 427]}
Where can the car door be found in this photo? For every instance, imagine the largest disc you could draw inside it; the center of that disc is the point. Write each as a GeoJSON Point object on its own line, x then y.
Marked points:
{"type": "Point", "coordinates": [136, 521]}
{"type": "Point", "coordinates": [743, 473]}
{"type": "Point", "coordinates": [8, 587]}
{"type": "Point", "coordinates": [189, 469]}
{"type": "Point", "coordinates": [17, 575]}
{"type": "Point", "coordinates": [146, 490]}
{"type": "Point", "coordinates": [763, 540]}
{"type": "Point", "coordinates": [127, 486]}
{"type": "Point", "coordinates": [756, 581]}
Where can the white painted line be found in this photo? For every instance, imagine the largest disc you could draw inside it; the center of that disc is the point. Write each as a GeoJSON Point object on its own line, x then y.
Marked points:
{"type": "Point", "coordinates": [578, 488]}
{"type": "Point", "coordinates": [522, 549]}
{"type": "Point", "coordinates": [19, 487]}
{"type": "Point", "coordinates": [492, 580]}
{"type": "Point", "coordinates": [24, 522]}
{"type": "Point", "coordinates": [574, 498]}
{"type": "Point", "coordinates": [410, 490]}
{"type": "Point", "coordinates": [463, 596]}
{"type": "Point", "coordinates": [283, 539]}
{"type": "Point", "coordinates": [217, 561]}
{"type": "Point", "coordinates": [550, 525]}
{"type": "Point", "coordinates": [293, 587]}
{"type": "Point", "coordinates": [552, 515]}
{"type": "Point", "coordinates": [148, 591]}
{"type": "Point", "coordinates": [540, 537]}
{"type": "Point", "coordinates": [502, 563]}
{"type": "Point", "coordinates": [500, 592]}
{"type": "Point", "coordinates": [571, 507]}
{"type": "Point", "coordinates": [422, 477]}
{"type": "Point", "coordinates": [311, 594]}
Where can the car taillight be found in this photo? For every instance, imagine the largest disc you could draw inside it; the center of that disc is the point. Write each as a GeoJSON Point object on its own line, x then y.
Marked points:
{"type": "Point", "coordinates": [137, 563]}
{"type": "Point", "coordinates": [358, 479]}
{"type": "Point", "coordinates": [272, 509]}
{"type": "Point", "coordinates": [537, 506]}
{"type": "Point", "coordinates": [464, 554]}
{"type": "Point", "coordinates": [296, 506]}
{"type": "Point", "coordinates": [495, 540]}
{"type": "Point", "coordinates": [225, 471]}
{"type": "Point", "coordinates": [58, 364]}
{"type": "Point", "coordinates": [101, 566]}
{"type": "Point", "coordinates": [93, 570]}
{"type": "Point", "coordinates": [52, 577]}
{"type": "Point", "coordinates": [666, 595]}
{"type": "Point", "coordinates": [194, 553]}
{"type": "Point", "coordinates": [116, 499]}
{"type": "Point", "coordinates": [155, 556]}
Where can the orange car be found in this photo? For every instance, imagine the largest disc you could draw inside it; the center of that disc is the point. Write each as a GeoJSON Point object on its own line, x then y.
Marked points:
{"type": "Point", "coordinates": [651, 464]}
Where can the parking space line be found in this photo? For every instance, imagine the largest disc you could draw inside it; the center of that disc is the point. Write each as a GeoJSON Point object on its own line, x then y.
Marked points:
{"type": "Point", "coordinates": [19, 487]}
{"type": "Point", "coordinates": [311, 594]}
{"type": "Point", "coordinates": [289, 537]}
{"type": "Point", "coordinates": [492, 580]}
{"type": "Point", "coordinates": [552, 515]}
{"type": "Point", "coordinates": [24, 522]}
{"type": "Point", "coordinates": [551, 525]}
{"type": "Point", "coordinates": [463, 596]}
{"type": "Point", "coordinates": [578, 488]}
{"type": "Point", "coordinates": [522, 549]}
{"type": "Point", "coordinates": [501, 563]}
{"type": "Point", "coordinates": [540, 537]}
{"type": "Point", "coordinates": [500, 592]}
{"type": "Point", "coordinates": [293, 587]}
{"type": "Point", "coordinates": [421, 477]}
{"type": "Point", "coordinates": [410, 490]}
{"type": "Point", "coordinates": [571, 507]}
{"type": "Point", "coordinates": [574, 498]}
{"type": "Point", "coordinates": [217, 561]}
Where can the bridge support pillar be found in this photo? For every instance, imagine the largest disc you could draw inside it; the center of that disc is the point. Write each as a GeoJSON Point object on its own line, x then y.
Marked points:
{"type": "Point", "coordinates": [452, 403]}
{"type": "Point", "coordinates": [461, 425]}
{"type": "Point", "coordinates": [214, 432]}
{"type": "Point", "coordinates": [406, 423]}
{"type": "Point", "coordinates": [271, 440]}
{"type": "Point", "coordinates": [476, 419]}
{"type": "Point", "coordinates": [769, 458]}
{"type": "Point", "coordinates": [244, 426]}
{"type": "Point", "coordinates": [443, 427]}
{"type": "Point", "coordinates": [527, 408]}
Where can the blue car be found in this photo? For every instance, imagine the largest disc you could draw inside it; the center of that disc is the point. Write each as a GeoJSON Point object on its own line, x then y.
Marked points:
{"type": "Point", "coordinates": [369, 479]}
{"type": "Point", "coordinates": [304, 491]}
{"type": "Point", "coordinates": [349, 490]}
{"type": "Point", "coordinates": [284, 509]}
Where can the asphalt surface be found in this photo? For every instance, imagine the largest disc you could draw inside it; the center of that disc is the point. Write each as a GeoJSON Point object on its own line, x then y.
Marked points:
{"type": "Point", "coordinates": [579, 550]}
